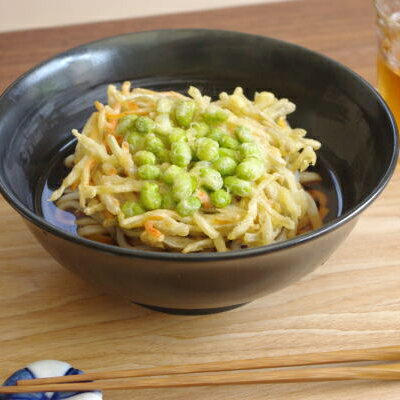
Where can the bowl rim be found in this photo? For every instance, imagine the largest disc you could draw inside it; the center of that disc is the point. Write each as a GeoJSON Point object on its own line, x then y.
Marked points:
{"type": "Point", "coordinates": [336, 223]}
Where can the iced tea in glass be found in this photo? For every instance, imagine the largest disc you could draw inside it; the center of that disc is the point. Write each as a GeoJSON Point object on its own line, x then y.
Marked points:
{"type": "Point", "coordinates": [388, 22]}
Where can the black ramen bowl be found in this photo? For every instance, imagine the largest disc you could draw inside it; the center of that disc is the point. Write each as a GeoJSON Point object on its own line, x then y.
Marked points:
{"type": "Point", "coordinates": [335, 105]}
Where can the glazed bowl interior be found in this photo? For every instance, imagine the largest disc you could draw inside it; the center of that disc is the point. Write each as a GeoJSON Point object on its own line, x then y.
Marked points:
{"type": "Point", "coordinates": [334, 105]}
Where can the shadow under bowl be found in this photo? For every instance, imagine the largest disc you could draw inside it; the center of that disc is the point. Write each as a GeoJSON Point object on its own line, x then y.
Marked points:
{"type": "Point", "coordinates": [335, 105]}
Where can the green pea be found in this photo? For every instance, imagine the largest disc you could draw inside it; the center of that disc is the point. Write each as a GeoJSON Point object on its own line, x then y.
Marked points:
{"type": "Point", "coordinates": [176, 135]}
{"type": "Point", "coordinates": [220, 198]}
{"type": "Point", "coordinates": [195, 182]}
{"type": "Point", "coordinates": [223, 152]}
{"type": "Point", "coordinates": [153, 143]}
{"type": "Point", "coordinates": [216, 134]}
{"type": "Point", "coordinates": [150, 196]}
{"type": "Point", "coordinates": [198, 166]}
{"type": "Point", "coordinates": [126, 124]}
{"type": "Point", "coordinates": [243, 133]}
{"type": "Point", "coordinates": [182, 186]}
{"type": "Point", "coordinates": [163, 124]}
{"type": "Point", "coordinates": [229, 142]}
{"type": "Point", "coordinates": [191, 134]}
{"type": "Point", "coordinates": [215, 115]}
{"type": "Point", "coordinates": [144, 124]}
{"type": "Point", "coordinates": [148, 172]}
{"type": "Point", "coordinates": [135, 140]}
{"type": "Point", "coordinates": [188, 206]}
{"type": "Point", "coordinates": [144, 157]}
{"type": "Point", "coordinates": [238, 187]}
{"type": "Point", "coordinates": [207, 149]}
{"type": "Point", "coordinates": [249, 150]}
{"type": "Point", "coordinates": [168, 201]}
{"type": "Point", "coordinates": [170, 173]}
{"type": "Point", "coordinates": [184, 112]}
{"type": "Point", "coordinates": [163, 155]}
{"type": "Point", "coordinates": [181, 154]}
{"type": "Point", "coordinates": [250, 169]}
{"type": "Point", "coordinates": [164, 105]}
{"type": "Point", "coordinates": [225, 166]}
{"type": "Point", "coordinates": [201, 129]}
{"type": "Point", "coordinates": [211, 179]}
{"type": "Point", "coordinates": [131, 208]}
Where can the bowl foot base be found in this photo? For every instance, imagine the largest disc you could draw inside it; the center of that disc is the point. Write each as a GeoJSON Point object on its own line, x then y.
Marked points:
{"type": "Point", "coordinates": [181, 311]}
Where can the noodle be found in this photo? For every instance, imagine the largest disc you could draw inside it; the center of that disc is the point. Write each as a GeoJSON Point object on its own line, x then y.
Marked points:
{"type": "Point", "coordinates": [104, 176]}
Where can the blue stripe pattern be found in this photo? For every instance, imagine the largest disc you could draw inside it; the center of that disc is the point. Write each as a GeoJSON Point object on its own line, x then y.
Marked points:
{"type": "Point", "coordinates": [26, 373]}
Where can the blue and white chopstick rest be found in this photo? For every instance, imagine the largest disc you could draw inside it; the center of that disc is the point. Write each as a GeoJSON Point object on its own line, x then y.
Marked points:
{"type": "Point", "coordinates": [47, 369]}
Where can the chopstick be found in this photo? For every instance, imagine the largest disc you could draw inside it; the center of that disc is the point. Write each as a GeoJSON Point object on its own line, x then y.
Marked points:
{"type": "Point", "coordinates": [388, 353]}
{"type": "Point", "coordinates": [115, 380]}
{"type": "Point", "coordinates": [374, 372]}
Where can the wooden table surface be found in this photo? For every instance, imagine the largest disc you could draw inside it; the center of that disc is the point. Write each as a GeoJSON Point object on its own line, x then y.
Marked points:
{"type": "Point", "coordinates": [352, 301]}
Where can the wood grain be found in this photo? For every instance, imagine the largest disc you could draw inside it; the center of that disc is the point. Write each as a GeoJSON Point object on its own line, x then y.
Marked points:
{"type": "Point", "coordinates": [353, 301]}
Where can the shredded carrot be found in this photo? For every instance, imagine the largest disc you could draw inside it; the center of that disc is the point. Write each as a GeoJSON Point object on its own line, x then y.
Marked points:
{"type": "Point", "coordinates": [75, 185]}
{"type": "Point", "coordinates": [221, 221]}
{"type": "Point", "coordinates": [155, 218]}
{"type": "Point", "coordinates": [101, 238]}
{"type": "Point", "coordinates": [148, 225]}
{"type": "Point", "coordinates": [204, 198]}
{"type": "Point", "coordinates": [117, 107]}
{"type": "Point", "coordinates": [120, 115]}
{"type": "Point", "coordinates": [132, 106]}
{"type": "Point", "coordinates": [133, 109]}
{"type": "Point", "coordinates": [111, 171]}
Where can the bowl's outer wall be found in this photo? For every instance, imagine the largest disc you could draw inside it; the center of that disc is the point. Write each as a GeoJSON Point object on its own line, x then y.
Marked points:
{"type": "Point", "coordinates": [192, 285]}
{"type": "Point", "coordinates": [334, 105]}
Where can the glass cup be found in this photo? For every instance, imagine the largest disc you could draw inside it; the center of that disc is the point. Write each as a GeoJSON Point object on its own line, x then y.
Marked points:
{"type": "Point", "coordinates": [388, 23]}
